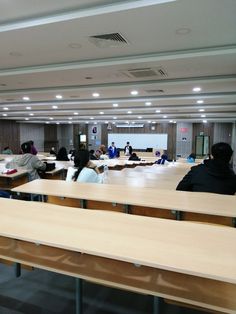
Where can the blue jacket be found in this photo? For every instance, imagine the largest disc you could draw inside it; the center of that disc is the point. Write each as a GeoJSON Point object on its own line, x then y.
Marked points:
{"type": "Point", "coordinates": [112, 152]}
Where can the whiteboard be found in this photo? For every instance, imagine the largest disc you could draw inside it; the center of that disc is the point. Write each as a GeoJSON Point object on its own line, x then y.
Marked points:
{"type": "Point", "coordinates": [138, 140]}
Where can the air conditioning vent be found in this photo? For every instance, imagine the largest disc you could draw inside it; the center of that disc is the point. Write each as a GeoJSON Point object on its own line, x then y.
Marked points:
{"type": "Point", "coordinates": [145, 72]}
{"type": "Point", "coordinates": [154, 91]}
{"type": "Point", "coordinates": [108, 40]}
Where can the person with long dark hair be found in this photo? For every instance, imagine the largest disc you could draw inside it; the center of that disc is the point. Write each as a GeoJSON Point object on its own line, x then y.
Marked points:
{"type": "Point", "coordinates": [62, 154]}
{"type": "Point", "coordinates": [84, 170]}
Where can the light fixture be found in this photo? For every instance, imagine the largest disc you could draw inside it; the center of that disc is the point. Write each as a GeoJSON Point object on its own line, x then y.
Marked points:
{"type": "Point", "coordinates": [31, 114]}
{"type": "Point", "coordinates": [95, 122]}
{"type": "Point", "coordinates": [58, 96]}
{"type": "Point", "coordinates": [58, 123]}
{"type": "Point", "coordinates": [115, 105]}
{"type": "Point", "coordinates": [26, 98]}
{"type": "Point", "coordinates": [101, 112]}
{"type": "Point", "coordinates": [201, 110]}
{"type": "Point", "coordinates": [5, 108]}
{"type": "Point", "coordinates": [114, 118]}
{"type": "Point", "coordinates": [197, 89]}
{"type": "Point", "coordinates": [70, 122]}
{"type": "Point", "coordinates": [113, 122]}
{"type": "Point", "coordinates": [91, 118]}
{"type": "Point", "coordinates": [149, 121]}
{"type": "Point", "coordinates": [171, 121]}
{"type": "Point", "coordinates": [4, 115]}
{"type": "Point", "coordinates": [139, 117]}
{"type": "Point", "coordinates": [134, 92]}
{"type": "Point", "coordinates": [70, 118]}
{"type": "Point", "coordinates": [203, 116]}
{"type": "Point", "coordinates": [158, 111]}
{"type": "Point", "coordinates": [76, 113]}
{"type": "Point", "coordinates": [47, 122]}
{"type": "Point", "coordinates": [148, 103]}
{"type": "Point", "coordinates": [54, 107]}
{"type": "Point", "coordinates": [106, 122]}
{"type": "Point", "coordinates": [26, 119]}
{"type": "Point", "coordinates": [28, 108]}
{"type": "Point", "coordinates": [204, 121]}
{"type": "Point", "coordinates": [200, 101]}
{"type": "Point", "coordinates": [87, 122]}
{"type": "Point", "coordinates": [50, 118]}
{"type": "Point", "coordinates": [129, 112]}
{"type": "Point", "coordinates": [164, 117]}
{"type": "Point", "coordinates": [96, 94]}
{"type": "Point", "coordinates": [153, 122]}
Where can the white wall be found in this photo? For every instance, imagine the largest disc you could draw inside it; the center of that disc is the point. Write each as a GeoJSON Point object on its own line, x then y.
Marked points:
{"type": "Point", "coordinates": [34, 132]}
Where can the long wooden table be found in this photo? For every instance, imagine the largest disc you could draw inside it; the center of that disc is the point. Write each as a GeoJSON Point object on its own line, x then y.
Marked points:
{"type": "Point", "coordinates": [181, 261]}
{"type": "Point", "coordinates": [9, 181]}
{"type": "Point", "coordinates": [207, 207]}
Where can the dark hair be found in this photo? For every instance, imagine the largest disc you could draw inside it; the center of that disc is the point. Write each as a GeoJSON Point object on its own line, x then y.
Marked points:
{"type": "Point", "coordinates": [192, 155]}
{"type": "Point", "coordinates": [165, 157]}
{"type": "Point", "coordinates": [222, 151]}
{"type": "Point", "coordinates": [81, 160]}
{"type": "Point", "coordinates": [127, 143]}
{"type": "Point", "coordinates": [7, 147]}
{"type": "Point", "coordinates": [62, 154]}
{"type": "Point", "coordinates": [26, 147]}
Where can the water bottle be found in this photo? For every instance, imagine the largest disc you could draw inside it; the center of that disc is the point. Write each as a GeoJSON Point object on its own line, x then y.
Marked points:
{"type": "Point", "coordinates": [105, 174]}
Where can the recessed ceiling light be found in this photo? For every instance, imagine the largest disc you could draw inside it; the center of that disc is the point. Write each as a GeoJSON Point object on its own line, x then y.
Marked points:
{"type": "Point", "coordinates": [86, 122]}
{"type": "Point", "coordinates": [114, 118]}
{"type": "Point", "coordinates": [54, 107]}
{"type": "Point", "coordinates": [106, 122]}
{"type": "Point", "coordinates": [133, 122]}
{"type": "Point", "coordinates": [70, 122]}
{"type": "Point", "coordinates": [158, 111]}
{"type": "Point", "coordinates": [203, 116]}
{"type": "Point", "coordinates": [4, 115]}
{"type": "Point", "coordinates": [76, 113]}
{"type": "Point", "coordinates": [201, 110]}
{"type": "Point", "coordinates": [31, 114]}
{"type": "Point", "coordinates": [129, 112]}
{"type": "Point", "coordinates": [148, 103]}
{"type": "Point", "coordinates": [47, 122]}
{"type": "Point", "coordinates": [58, 96]}
{"type": "Point", "coordinates": [134, 92]}
{"type": "Point", "coordinates": [26, 98]}
{"type": "Point", "coordinates": [126, 121]}
{"type": "Point", "coordinates": [58, 122]}
{"type": "Point", "coordinates": [174, 122]}
{"type": "Point", "coordinates": [113, 122]}
{"type": "Point", "coordinates": [101, 112]}
{"type": "Point", "coordinates": [115, 105]}
{"type": "Point", "coordinates": [70, 118]}
{"type": "Point", "coordinates": [96, 94]}
{"type": "Point", "coordinates": [91, 118]}
{"type": "Point", "coordinates": [204, 121]}
{"type": "Point", "coordinates": [149, 121]}
{"type": "Point", "coordinates": [153, 122]}
{"type": "Point", "coordinates": [197, 89]}
{"type": "Point", "coordinates": [170, 121]}
{"type": "Point", "coordinates": [26, 119]}
{"type": "Point", "coordinates": [164, 117]}
{"type": "Point", "coordinates": [28, 108]}
{"type": "Point", "coordinates": [95, 123]}
{"type": "Point", "coordinates": [200, 101]}
{"type": "Point", "coordinates": [5, 108]}
{"type": "Point", "coordinates": [139, 117]}
{"type": "Point", "coordinates": [50, 118]}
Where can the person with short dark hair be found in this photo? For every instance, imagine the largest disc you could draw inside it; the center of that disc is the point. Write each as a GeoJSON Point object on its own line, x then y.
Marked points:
{"type": "Point", "coordinates": [95, 155]}
{"type": "Point", "coordinates": [62, 154]}
{"type": "Point", "coordinates": [128, 149]}
{"type": "Point", "coordinates": [33, 150]}
{"type": "Point", "coordinates": [134, 157]}
{"type": "Point", "coordinates": [214, 175]}
{"type": "Point", "coordinates": [27, 161]}
{"type": "Point", "coordinates": [191, 158]}
{"type": "Point", "coordinates": [112, 151]}
{"type": "Point", "coordinates": [7, 151]}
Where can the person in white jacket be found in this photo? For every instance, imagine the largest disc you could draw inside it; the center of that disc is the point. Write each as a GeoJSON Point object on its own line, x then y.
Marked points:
{"type": "Point", "coordinates": [84, 170]}
{"type": "Point", "coordinates": [27, 161]}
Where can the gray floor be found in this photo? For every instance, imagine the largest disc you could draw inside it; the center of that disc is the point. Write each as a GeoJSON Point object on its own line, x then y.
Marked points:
{"type": "Point", "coordinates": [42, 292]}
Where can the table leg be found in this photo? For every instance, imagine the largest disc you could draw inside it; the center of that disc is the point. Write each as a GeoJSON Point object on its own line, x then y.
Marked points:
{"type": "Point", "coordinates": [78, 296]}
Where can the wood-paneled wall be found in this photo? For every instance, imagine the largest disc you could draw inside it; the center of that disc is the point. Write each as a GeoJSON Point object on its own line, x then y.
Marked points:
{"type": "Point", "coordinates": [50, 137]}
{"type": "Point", "coordinates": [10, 135]}
{"type": "Point", "coordinates": [206, 128]}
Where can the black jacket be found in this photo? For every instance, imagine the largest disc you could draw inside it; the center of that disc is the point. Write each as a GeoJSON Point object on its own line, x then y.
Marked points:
{"type": "Point", "coordinates": [213, 176]}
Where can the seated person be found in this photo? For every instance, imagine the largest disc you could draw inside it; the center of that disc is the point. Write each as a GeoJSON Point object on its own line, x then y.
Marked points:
{"type": "Point", "coordinates": [96, 155]}
{"type": "Point", "coordinates": [52, 151]}
{"type": "Point", "coordinates": [214, 175]}
{"type": "Point", "coordinates": [102, 148]}
{"type": "Point", "coordinates": [7, 151]}
{"type": "Point", "coordinates": [27, 161]}
{"type": "Point", "coordinates": [134, 157]}
{"type": "Point", "coordinates": [85, 170]}
{"type": "Point", "coordinates": [62, 154]}
{"type": "Point", "coordinates": [33, 148]}
{"type": "Point", "coordinates": [191, 158]}
{"type": "Point", "coordinates": [162, 160]}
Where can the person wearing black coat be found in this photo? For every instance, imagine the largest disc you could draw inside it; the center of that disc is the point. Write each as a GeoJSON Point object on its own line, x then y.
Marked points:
{"type": "Point", "coordinates": [214, 175]}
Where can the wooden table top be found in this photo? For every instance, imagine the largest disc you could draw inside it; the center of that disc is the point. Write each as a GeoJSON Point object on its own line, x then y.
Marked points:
{"type": "Point", "coordinates": [207, 203]}
{"type": "Point", "coordinates": [189, 248]}
{"type": "Point", "coordinates": [19, 173]}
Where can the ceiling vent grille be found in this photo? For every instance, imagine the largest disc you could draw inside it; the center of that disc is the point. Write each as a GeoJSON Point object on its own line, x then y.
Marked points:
{"type": "Point", "coordinates": [145, 72]}
{"type": "Point", "coordinates": [108, 40]}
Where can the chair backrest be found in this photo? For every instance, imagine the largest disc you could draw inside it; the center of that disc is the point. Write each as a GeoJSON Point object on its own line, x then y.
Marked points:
{"type": "Point", "coordinates": [70, 173]}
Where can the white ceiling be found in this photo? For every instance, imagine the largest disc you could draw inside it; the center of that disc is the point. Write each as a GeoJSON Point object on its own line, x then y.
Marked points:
{"type": "Point", "coordinates": [46, 50]}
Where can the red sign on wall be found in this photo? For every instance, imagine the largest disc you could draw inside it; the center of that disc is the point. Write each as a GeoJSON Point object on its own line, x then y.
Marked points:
{"type": "Point", "coordinates": [183, 130]}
